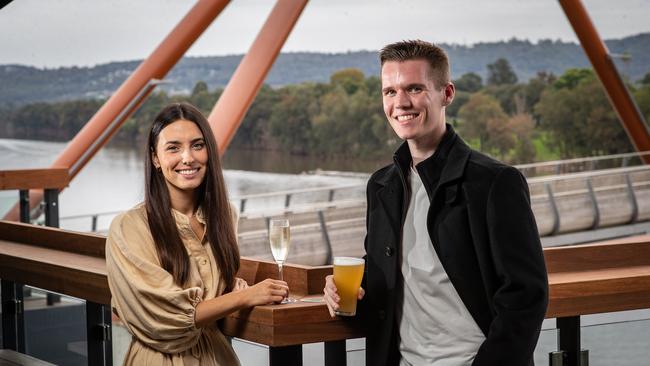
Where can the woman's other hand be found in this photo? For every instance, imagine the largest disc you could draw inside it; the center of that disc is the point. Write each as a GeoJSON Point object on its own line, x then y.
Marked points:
{"type": "Point", "coordinates": [240, 284]}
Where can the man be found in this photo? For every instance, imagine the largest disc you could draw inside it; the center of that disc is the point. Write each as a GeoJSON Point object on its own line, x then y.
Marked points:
{"type": "Point", "coordinates": [454, 268]}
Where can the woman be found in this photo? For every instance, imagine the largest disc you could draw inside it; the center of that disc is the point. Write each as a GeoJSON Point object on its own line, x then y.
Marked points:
{"type": "Point", "coordinates": [172, 260]}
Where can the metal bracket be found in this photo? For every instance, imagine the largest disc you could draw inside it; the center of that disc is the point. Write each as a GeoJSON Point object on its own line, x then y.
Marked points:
{"type": "Point", "coordinates": [103, 332]}
{"type": "Point", "coordinates": [560, 358]}
{"type": "Point", "coordinates": [13, 306]}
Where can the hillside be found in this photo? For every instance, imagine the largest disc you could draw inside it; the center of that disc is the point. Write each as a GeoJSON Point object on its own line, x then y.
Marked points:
{"type": "Point", "coordinates": [24, 84]}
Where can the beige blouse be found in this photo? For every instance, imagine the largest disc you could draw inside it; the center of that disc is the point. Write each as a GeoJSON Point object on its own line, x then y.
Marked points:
{"type": "Point", "coordinates": [158, 313]}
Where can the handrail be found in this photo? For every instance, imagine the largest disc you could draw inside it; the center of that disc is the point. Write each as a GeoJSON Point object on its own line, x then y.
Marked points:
{"type": "Point", "coordinates": [583, 160]}
{"type": "Point", "coordinates": [298, 191]}
{"type": "Point", "coordinates": [33, 179]}
{"type": "Point", "coordinates": [591, 174]}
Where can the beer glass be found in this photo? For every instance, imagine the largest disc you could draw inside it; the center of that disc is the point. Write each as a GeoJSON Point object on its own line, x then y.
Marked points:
{"type": "Point", "coordinates": [280, 238]}
{"type": "Point", "coordinates": [347, 277]}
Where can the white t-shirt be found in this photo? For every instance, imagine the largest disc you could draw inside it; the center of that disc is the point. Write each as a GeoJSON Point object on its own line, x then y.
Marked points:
{"type": "Point", "coordinates": [436, 328]}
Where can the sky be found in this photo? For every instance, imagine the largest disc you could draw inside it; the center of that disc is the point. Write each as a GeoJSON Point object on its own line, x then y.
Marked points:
{"type": "Point", "coordinates": [54, 33]}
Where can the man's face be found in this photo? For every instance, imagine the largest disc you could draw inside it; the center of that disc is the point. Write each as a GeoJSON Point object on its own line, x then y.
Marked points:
{"type": "Point", "coordinates": [414, 106]}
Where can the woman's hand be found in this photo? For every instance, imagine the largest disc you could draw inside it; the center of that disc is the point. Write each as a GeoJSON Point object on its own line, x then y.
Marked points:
{"type": "Point", "coordinates": [240, 284]}
{"type": "Point", "coordinates": [265, 292]}
{"type": "Point", "coordinates": [331, 296]}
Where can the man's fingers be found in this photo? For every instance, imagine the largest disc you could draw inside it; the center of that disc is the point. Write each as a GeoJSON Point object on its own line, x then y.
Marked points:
{"type": "Point", "coordinates": [331, 305]}
{"type": "Point", "coordinates": [362, 293]}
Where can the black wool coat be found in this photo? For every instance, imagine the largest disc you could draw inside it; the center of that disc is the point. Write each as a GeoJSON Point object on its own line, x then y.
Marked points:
{"type": "Point", "coordinates": [483, 230]}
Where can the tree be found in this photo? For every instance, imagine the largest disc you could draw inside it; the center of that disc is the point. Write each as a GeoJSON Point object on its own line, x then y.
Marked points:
{"type": "Point", "coordinates": [254, 131]}
{"type": "Point", "coordinates": [480, 114]}
{"type": "Point", "coordinates": [642, 96]}
{"type": "Point", "coordinates": [577, 115]}
{"type": "Point", "coordinates": [350, 80]}
{"type": "Point", "coordinates": [534, 89]}
{"type": "Point", "coordinates": [522, 126]}
{"type": "Point", "coordinates": [572, 77]}
{"type": "Point", "coordinates": [200, 87]}
{"type": "Point", "coordinates": [202, 99]}
{"type": "Point", "coordinates": [511, 97]}
{"type": "Point", "coordinates": [500, 72]}
{"type": "Point", "coordinates": [460, 99]}
{"type": "Point", "coordinates": [350, 125]}
{"type": "Point", "coordinates": [469, 82]}
{"type": "Point", "coordinates": [373, 86]}
{"type": "Point", "coordinates": [291, 116]}
{"type": "Point", "coordinates": [645, 80]}
{"type": "Point", "coordinates": [500, 138]}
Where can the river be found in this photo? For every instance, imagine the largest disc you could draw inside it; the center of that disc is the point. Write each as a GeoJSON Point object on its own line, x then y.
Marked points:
{"type": "Point", "coordinates": [113, 179]}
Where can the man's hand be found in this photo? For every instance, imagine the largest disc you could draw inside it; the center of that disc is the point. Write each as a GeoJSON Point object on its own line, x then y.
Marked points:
{"type": "Point", "coordinates": [331, 296]}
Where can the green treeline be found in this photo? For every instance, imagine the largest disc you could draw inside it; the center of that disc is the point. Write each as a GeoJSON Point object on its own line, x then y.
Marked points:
{"type": "Point", "coordinates": [547, 117]}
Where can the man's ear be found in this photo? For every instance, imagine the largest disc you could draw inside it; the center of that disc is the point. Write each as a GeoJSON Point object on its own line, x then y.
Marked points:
{"type": "Point", "coordinates": [449, 92]}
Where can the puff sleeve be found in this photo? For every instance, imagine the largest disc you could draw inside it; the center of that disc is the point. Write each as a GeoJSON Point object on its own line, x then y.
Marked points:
{"type": "Point", "coordinates": [159, 313]}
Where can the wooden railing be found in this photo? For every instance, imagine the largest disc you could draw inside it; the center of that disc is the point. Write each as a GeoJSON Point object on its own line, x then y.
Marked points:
{"type": "Point", "coordinates": [587, 279]}
{"type": "Point", "coordinates": [51, 181]}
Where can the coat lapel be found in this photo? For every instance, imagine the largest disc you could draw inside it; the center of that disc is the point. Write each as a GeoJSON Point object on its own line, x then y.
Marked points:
{"type": "Point", "coordinates": [390, 197]}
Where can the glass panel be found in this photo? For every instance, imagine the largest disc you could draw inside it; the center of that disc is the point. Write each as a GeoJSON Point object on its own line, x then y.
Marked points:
{"type": "Point", "coordinates": [55, 332]}
{"type": "Point", "coordinates": [622, 343]}
{"type": "Point", "coordinates": [121, 341]}
{"type": "Point", "coordinates": [546, 344]}
{"type": "Point", "coordinates": [356, 352]}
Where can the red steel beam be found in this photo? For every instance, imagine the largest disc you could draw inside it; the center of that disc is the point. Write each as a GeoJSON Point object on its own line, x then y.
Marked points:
{"type": "Point", "coordinates": [98, 130]}
{"type": "Point", "coordinates": [619, 96]}
{"type": "Point", "coordinates": [247, 80]}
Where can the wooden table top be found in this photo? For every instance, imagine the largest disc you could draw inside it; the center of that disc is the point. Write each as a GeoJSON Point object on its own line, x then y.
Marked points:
{"type": "Point", "coordinates": [612, 276]}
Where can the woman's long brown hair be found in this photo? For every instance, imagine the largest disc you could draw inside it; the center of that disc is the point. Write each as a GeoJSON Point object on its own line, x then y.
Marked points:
{"type": "Point", "coordinates": [211, 197]}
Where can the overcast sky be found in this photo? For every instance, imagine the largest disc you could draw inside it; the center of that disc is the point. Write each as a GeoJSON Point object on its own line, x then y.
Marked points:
{"type": "Point", "coordinates": [52, 33]}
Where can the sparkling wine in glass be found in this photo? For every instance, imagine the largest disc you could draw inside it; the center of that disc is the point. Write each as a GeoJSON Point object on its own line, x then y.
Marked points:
{"type": "Point", "coordinates": [280, 239]}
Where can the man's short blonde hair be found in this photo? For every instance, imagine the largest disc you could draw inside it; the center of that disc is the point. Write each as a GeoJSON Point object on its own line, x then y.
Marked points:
{"type": "Point", "coordinates": [420, 50]}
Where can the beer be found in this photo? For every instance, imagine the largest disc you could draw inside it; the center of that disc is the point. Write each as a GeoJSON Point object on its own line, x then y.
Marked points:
{"type": "Point", "coordinates": [347, 277]}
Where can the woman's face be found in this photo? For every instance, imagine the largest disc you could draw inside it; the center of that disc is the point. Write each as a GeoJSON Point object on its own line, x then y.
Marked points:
{"type": "Point", "coordinates": [182, 156]}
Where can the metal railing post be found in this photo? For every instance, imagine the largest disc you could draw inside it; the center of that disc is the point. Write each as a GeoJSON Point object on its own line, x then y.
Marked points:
{"type": "Point", "coordinates": [556, 212]}
{"type": "Point", "coordinates": [287, 200]}
{"type": "Point", "coordinates": [24, 206]}
{"type": "Point", "coordinates": [51, 203]}
{"type": "Point", "coordinates": [633, 202]}
{"type": "Point", "coordinates": [98, 333]}
{"type": "Point", "coordinates": [326, 237]}
{"type": "Point", "coordinates": [568, 343]}
{"type": "Point", "coordinates": [335, 353]}
{"type": "Point", "coordinates": [594, 203]}
{"type": "Point", "coordinates": [13, 316]}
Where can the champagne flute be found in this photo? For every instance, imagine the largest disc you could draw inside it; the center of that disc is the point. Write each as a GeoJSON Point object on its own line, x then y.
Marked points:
{"type": "Point", "coordinates": [280, 238]}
